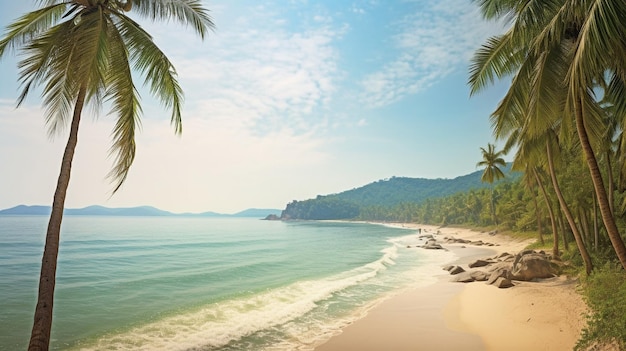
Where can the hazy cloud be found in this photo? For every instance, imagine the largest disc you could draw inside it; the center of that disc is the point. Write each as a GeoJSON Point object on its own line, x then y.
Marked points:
{"type": "Point", "coordinates": [433, 41]}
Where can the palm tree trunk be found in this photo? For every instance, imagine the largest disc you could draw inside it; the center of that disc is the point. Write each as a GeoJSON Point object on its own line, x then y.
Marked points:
{"type": "Point", "coordinates": [568, 214]}
{"type": "Point", "coordinates": [611, 182]}
{"type": "Point", "coordinates": [538, 217]}
{"type": "Point", "coordinates": [40, 336]}
{"type": "Point", "coordinates": [561, 225]}
{"type": "Point", "coordinates": [564, 232]}
{"type": "Point", "coordinates": [493, 209]}
{"type": "Point", "coordinates": [596, 234]}
{"type": "Point", "coordinates": [598, 184]}
{"type": "Point", "coordinates": [555, 233]}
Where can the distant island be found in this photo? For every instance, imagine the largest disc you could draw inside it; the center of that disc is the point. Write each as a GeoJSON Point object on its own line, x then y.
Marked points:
{"type": "Point", "coordinates": [24, 210]}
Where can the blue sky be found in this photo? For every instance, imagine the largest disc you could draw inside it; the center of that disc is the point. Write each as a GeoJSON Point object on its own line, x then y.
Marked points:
{"type": "Point", "coordinates": [285, 100]}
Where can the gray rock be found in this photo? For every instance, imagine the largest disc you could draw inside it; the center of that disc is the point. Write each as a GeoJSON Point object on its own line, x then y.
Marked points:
{"type": "Point", "coordinates": [503, 283]}
{"type": "Point", "coordinates": [457, 270]}
{"type": "Point", "coordinates": [533, 265]}
{"type": "Point", "coordinates": [432, 246]}
{"type": "Point", "coordinates": [480, 276]}
{"type": "Point", "coordinates": [464, 277]}
{"type": "Point", "coordinates": [478, 263]}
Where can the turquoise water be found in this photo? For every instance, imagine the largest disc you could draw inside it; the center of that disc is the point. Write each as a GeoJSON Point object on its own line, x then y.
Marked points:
{"type": "Point", "coordinates": [145, 283]}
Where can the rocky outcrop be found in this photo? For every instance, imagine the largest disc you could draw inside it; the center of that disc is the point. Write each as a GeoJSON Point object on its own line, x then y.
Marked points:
{"type": "Point", "coordinates": [503, 269]}
{"type": "Point", "coordinates": [533, 265]}
{"type": "Point", "coordinates": [453, 240]}
{"type": "Point", "coordinates": [479, 263]}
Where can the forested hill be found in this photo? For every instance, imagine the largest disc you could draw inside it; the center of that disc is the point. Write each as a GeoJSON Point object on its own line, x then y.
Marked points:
{"type": "Point", "coordinates": [386, 193]}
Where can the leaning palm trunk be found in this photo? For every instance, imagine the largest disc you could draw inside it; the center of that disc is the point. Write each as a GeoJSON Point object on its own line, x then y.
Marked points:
{"type": "Point", "coordinates": [598, 184]}
{"type": "Point", "coordinates": [570, 219]}
{"type": "Point", "coordinates": [538, 217]}
{"type": "Point", "coordinates": [40, 336]}
{"type": "Point", "coordinates": [555, 232]}
{"type": "Point", "coordinates": [611, 182]}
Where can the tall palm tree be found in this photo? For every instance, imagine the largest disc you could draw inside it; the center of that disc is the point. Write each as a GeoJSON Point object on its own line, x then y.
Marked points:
{"type": "Point", "coordinates": [558, 52]}
{"type": "Point", "coordinates": [492, 161]}
{"type": "Point", "coordinates": [83, 52]}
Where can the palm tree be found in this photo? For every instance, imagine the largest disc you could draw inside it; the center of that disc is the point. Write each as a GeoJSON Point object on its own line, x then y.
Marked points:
{"type": "Point", "coordinates": [83, 52]}
{"type": "Point", "coordinates": [559, 51]}
{"type": "Point", "coordinates": [492, 160]}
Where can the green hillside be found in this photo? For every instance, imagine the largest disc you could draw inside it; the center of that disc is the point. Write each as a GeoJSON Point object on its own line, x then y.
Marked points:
{"type": "Point", "coordinates": [386, 193]}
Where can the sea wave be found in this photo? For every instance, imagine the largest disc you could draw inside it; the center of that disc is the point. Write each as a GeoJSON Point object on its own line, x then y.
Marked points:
{"type": "Point", "coordinates": [293, 317]}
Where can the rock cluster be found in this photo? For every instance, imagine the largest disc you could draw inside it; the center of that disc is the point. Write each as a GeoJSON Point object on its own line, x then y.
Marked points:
{"type": "Point", "coordinates": [503, 269]}
{"type": "Point", "coordinates": [453, 240]}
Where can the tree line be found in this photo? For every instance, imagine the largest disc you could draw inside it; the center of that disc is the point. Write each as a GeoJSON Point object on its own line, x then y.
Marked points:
{"type": "Point", "coordinates": [566, 102]}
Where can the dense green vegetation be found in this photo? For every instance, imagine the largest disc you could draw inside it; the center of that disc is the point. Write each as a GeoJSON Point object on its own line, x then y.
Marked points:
{"type": "Point", "coordinates": [563, 117]}
{"type": "Point", "coordinates": [373, 200]}
{"type": "Point", "coordinates": [605, 294]}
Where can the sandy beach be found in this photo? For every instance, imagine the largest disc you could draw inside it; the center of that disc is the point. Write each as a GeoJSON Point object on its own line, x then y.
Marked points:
{"type": "Point", "coordinates": [546, 315]}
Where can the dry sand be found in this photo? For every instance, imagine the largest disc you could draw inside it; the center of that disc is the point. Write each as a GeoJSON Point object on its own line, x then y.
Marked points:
{"type": "Point", "coordinates": [453, 316]}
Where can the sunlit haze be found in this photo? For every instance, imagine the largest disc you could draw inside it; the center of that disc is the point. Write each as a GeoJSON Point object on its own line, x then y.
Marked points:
{"type": "Point", "coordinates": [285, 100]}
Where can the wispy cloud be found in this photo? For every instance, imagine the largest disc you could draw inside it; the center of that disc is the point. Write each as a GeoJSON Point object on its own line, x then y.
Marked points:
{"type": "Point", "coordinates": [261, 71]}
{"type": "Point", "coordinates": [255, 94]}
{"type": "Point", "coordinates": [432, 41]}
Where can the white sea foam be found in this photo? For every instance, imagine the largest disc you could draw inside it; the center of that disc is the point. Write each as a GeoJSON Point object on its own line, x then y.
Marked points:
{"type": "Point", "coordinates": [218, 324]}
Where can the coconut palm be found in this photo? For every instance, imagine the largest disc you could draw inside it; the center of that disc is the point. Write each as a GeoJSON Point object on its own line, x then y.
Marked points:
{"type": "Point", "coordinates": [558, 52]}
{"type": "Point", "coordinates": [492, 161]}
{"type": "Point", "coordinates": [83, 52]}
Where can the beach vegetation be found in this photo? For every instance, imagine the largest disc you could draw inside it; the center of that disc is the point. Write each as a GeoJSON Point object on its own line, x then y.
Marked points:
{"type": "Point", "coordinates": [83, 53]}
{"type": "Point", "coordinates": [605, 294]}
{"type": "Point", "coordinates": [567, 82]}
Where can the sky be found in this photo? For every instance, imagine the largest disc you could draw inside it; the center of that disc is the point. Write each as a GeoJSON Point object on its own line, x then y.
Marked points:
{"type": "Point", "coordinates": [285, 100]}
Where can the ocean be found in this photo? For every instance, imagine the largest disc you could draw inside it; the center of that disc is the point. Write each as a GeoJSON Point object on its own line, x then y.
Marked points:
{"type": "Point", "coordinates": [182, 283]}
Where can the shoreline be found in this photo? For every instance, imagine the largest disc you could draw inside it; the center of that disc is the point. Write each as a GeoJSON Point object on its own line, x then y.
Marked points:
{"type": "Point", "coordinates": [545, 315]}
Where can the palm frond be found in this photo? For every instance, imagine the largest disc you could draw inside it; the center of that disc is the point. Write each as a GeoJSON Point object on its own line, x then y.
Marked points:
{"type": "Point", "coordinates": [125, 105]}
{"type": "Point", "coordinates": [187, 12]}
{"type": "Point", "coordinates": [159, 72]}
{"type": "Point", "coordinates": [600, 37]}
{"type": "Point", "coordinates": [29, 26]}
{"type": "Point", "coordinates": [48, 59]}
{"type": "Point", "coordinates": [511, 112]}
{"type": "Point", "coordinates": [79, 60]}
{"type": "Point", "coordinates": [496, 9]}
{"type": "Point", "coordinates": [492, 60]}
{"type": "Point", "coordinates": [616, 94]}
{"type": "Point", "coordinates": [547, 91]}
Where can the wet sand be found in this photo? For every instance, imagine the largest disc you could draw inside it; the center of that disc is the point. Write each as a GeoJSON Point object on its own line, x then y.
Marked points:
{"type": "Point", "coordinates": [547, 315]}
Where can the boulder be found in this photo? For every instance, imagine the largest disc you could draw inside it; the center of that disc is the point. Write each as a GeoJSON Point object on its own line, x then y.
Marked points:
{"type": "Point", "coordinates": [478, 263]}
{"type": "Point", "coordinates": [503, 283]}
{"type": "Point", "coordinates": [499, 270]}
{"type": "Point", "coordinates": [448, 268]}
{"type": "Point", "coordinates": [532, 265]}
{"type": "Point", "coordinates": [431, 245]}
{"type": "Point", "coordinates": [456, 270]}
{"type": "Point", "coordinates": [464, 277]}
{"type": "Point", "coordinates": [494, 276]}
{"type": "Point", "coordinates": [479, 276]}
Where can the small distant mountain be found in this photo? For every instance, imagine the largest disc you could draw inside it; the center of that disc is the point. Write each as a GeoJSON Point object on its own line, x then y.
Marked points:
{"type": "Point", "coordinates": [27, 210]}
{"type": "Point", "coordinates": [257, 212]}
{"type": "Point", "coordinates": [23, 210]}
{"type": "Point", "coordinates": [107, 211]}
